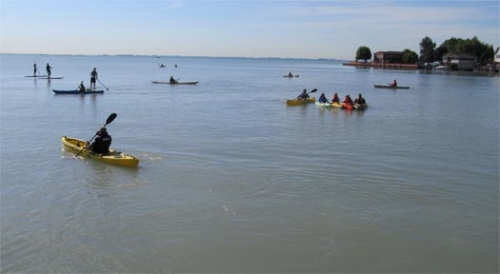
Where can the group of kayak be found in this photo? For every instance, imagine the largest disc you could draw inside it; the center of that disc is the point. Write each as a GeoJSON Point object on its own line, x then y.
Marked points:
{"type": "Point", "coordinates": [348, 104]}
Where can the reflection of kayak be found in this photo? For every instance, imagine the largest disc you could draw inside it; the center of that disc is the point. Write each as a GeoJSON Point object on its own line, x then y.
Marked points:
{"type": "Point", "coordinates": [323, 104]}
{"type": "Point", "coordinates": [360, 107]}
{"type": "Point", "coordinates": [296, 102]}
{"type": "Point", "coordinates": [175, 83]}
{"type": "Point", "coordinates": [387, 86]}
{"type": "Point", "coordinates": [288, 76]}
{"type": "Point", "coordinates": [114, 157]}
{"type": "Point", "coordinates": [74, 91]}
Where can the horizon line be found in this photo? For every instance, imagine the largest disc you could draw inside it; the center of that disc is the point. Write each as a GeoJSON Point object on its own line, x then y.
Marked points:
{"type": "Point", "coordinates": [161, 55]}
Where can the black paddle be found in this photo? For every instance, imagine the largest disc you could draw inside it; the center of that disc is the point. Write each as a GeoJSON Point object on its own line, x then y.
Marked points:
{"type": "Point", "coordinates": [106, 89]}
{"type": "Point", "coordinates": [110, 119]}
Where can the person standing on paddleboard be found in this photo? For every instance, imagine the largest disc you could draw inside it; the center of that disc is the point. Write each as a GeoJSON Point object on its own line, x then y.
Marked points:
{"type": "Point", "coordinates": [35, 69]}
{"type": "Point", "coordinates": [49, 70]}
{"type": "Point", "coordinates": [93, 78]}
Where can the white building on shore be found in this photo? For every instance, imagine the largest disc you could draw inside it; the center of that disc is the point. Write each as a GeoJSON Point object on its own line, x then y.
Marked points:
{"type": "Point", "coordinates": [460, 61]}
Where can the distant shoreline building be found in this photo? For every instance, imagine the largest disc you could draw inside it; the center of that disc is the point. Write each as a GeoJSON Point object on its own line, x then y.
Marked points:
{"type": "Point", "coordinates": [459, 61]}
{"type": "Point", "coordinates": [385, 59]}
{"type": "Point", "coordinates": [388, 57]}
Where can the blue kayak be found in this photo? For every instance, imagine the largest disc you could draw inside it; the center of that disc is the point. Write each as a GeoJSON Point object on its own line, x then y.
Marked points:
{"type": "Point", "coordinates": [75, 91]}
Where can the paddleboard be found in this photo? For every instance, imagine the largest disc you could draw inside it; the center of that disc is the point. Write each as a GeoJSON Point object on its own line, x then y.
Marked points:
{"type": "Point", "coordinates": [50, 78]}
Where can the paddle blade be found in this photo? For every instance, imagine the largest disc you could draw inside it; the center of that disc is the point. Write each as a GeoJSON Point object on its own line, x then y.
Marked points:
{"type": "Point", "coordinates": [314, 90]}
{"type": "Point", "coordinates": [111, 117]}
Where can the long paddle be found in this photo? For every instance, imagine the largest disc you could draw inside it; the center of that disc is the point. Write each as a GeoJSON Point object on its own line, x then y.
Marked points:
{"type": "Point", "coordinates": [103, 86]}
{"type": "Point", "coordinates": [110, 119]}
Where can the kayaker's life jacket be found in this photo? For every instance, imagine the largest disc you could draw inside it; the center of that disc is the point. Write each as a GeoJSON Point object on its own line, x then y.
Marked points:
{"type": "Point", "coordinates": [101, 144]}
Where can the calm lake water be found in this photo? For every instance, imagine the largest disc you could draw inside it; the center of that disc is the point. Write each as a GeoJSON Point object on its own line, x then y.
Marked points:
{"type": "Point", "coordinates": [233, 180]}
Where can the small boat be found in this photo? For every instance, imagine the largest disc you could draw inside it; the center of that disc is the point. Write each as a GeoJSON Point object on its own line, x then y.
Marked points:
{"type": "Point", "coordinates": [36, 76]}
{"type": "Point", "coordinates": [297, 102]}
{"type": "Point", "coordinates": [175, 83]}
{"type": "Point", "coordinates": [291, 76]}
{"type": "Point", "coordinates": [114, 157]}
{"type": "Point", "coordinates": [393, 87]}
{"type": "Point", "coordinates": [75, 91]}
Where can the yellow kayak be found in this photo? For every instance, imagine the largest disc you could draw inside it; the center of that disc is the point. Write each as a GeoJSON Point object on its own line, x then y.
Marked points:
{"type": "Point", "coordinates": [296, 102]}
{"type": "Point", "coordinates": [114, 157]}
{"type": "Point", "coordinates": [337, 105]}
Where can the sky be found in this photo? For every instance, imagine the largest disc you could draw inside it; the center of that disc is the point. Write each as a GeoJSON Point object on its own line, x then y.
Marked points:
{"type": "Point", "coordinates": [331, 29]}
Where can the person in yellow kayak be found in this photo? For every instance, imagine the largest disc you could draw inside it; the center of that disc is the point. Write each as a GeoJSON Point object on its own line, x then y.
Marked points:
{"type": "Point", "coordinates": [101, 143]}
{"type": "Point", "coordinates": [336, 99]}
{"type": "Point", "coordinates": [303, 95]}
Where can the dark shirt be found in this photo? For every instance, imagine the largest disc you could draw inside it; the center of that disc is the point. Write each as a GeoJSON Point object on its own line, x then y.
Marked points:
{"type": "Point", "coordinates": [101, 144]}
{"type": "Point", "coordinates": [360, 101]}
{"type": "Point", "coordinates": [304, 95]}
{"type": "Point", "coordinates": [322, 99]}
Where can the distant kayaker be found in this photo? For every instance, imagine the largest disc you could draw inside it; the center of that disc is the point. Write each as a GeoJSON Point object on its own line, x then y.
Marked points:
{"type": "Point", "coordinates": [322, 98]}
{"type": "Point", "coordinates": [81, 87]}
{"type": "Point", "coordinates": [93, 78]}
{"type": "Point", "coordinates": [394, 83]}
{"type": "Point", "coordinates": [49, 70]}
{"type": "Point", "coordinates": [102, 142]}
{"type": "Point", "coordinates": [360, 100]}
{"type": "Point", "coordinates": [335, 98]}
{"type": "Point", "coordinates": [35, 69]}
{"type": "Point", "coordinates": [290, 74]}
{"type": "Point", "coordinates": [172, 80]}
{"type": "Point", "coordinates": [303, 95]}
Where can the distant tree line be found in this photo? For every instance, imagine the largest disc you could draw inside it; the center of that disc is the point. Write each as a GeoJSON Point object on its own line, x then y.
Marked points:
{"type": "Point", "coordinates": [430, 53]}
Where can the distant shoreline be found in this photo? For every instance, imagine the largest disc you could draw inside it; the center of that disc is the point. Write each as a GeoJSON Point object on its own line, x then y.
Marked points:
{"type": "Point", "coordinates": [379, 65]}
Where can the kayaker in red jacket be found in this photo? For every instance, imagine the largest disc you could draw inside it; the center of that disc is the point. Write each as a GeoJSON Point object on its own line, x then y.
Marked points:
{"type": "Point", "coordinates": [347, 100]}
{"type": "Point", "coordinates": [394, 83]}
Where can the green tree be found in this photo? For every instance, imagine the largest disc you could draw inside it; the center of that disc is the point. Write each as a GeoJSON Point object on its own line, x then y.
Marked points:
{"type": "Point", "coordinates": [484, 52]}
{"type": "Point", "coordinates": [363, 53]}
{"type": "Point", "coordinates": [409, 57]}
{"type": "Point", "coordinates": [427, 50]}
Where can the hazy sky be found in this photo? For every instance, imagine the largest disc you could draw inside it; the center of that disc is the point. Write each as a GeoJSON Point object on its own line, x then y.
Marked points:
{"type": "Point", "coordinates": [246, 28]}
